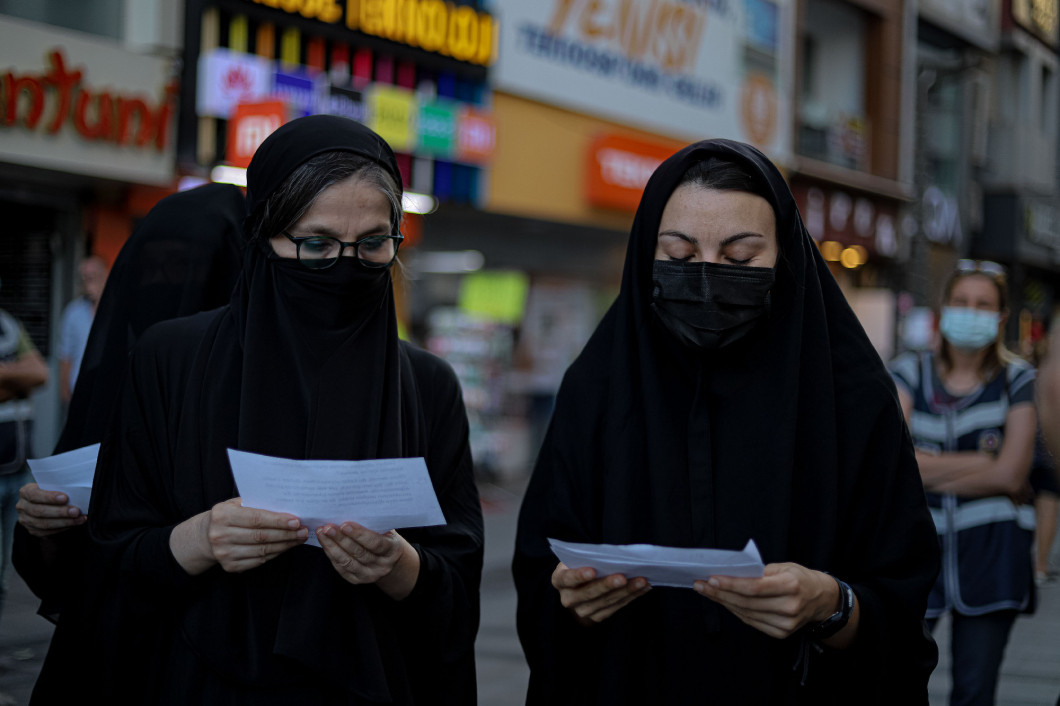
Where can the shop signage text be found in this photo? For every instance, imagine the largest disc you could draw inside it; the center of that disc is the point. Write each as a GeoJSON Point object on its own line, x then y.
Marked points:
{"type": "Point", "coordinates": [667, 32]}
{"type": "Point", "coordinates": [436, 26]}
{"type": "Point", "coordinates": [61, 96]}
{"type": "Point", "coordinates": [617, 168]}
{"type": "Point", "coordinates": [686, 59]}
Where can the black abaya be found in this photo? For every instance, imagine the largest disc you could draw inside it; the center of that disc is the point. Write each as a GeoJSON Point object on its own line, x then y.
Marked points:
{"type": "Point", "coordinates": [300, 364]}
{"type": "Point", "coordinates": [792, 437]}
{"type": "Point", "coordinates": [181, 259]}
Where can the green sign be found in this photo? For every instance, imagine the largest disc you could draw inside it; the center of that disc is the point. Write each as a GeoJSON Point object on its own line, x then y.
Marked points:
{"type": "Point", "coordinates": [494, 295]}
{"type": "Point", "coordinates": [437, 129]}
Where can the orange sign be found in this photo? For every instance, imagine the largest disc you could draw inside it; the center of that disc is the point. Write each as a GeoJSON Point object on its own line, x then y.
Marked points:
{"type": "Point", "coordinates": [248, 127]}
{"type": "Point", "coordinates": [618, 167]}
{"type": "Point", "coordinates": [475, 136]}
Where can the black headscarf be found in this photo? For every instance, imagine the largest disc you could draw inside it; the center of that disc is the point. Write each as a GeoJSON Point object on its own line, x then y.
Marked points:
{"type": "Point", "coordinates": [306, 365]}
{"type": "Point", "coordinates": [183, 258]}
{"type": "Point", "coordinates": [792, 437]}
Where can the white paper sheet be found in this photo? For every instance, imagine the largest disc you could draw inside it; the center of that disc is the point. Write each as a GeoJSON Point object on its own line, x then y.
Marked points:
{"type": "Point", "coordinates": [381, 494]}
{"type": "Point", "coordinates": [69, 472]}
{"type": "Point", "coordinates": [661, 566]}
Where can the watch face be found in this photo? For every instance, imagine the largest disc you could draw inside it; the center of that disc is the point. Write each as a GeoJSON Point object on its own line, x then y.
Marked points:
{"type": "Point", "coordinates": [838, 620]}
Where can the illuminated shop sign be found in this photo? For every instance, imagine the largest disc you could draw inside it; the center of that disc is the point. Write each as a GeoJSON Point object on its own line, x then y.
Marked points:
{"type": "Point", "coordinates": [440, 128]}
{"type": "Point", "coordinates": [61, 96]}
{"type": "Point", "coordinates": [457, 31]}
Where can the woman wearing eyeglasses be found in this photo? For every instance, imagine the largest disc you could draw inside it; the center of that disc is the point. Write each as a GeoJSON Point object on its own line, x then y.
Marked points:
{"type": "Point", "coordinates": [970, 409]}
{"type": "Point", "coordinates": [220, 603]}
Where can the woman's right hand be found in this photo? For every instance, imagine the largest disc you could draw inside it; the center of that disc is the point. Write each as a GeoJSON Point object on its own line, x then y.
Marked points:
{"type": "Point", "coordinates": [45, 512]}
{"type": "Point", "coordinates": [236, 537]}
{"type": "Point", "coordinates": [594, 600]}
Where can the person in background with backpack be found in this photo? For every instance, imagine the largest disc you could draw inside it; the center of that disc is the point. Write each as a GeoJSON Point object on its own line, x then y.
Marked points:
{"type": "Point", "coordinates": [970, 410]}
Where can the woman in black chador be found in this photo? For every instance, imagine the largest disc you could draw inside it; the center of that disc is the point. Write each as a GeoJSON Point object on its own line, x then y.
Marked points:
{"type": "Point", "coordinates": [728, 394]}
{"type": "Point", "coordinates": [182, 258]}
{"type": "Point", "coordinates": [219, 603]}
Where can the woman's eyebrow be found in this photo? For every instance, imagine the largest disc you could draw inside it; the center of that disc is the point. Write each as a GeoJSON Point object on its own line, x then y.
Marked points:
{"type": "Point", "coordinates": [679, 234]}
{"type": "Point", "coordinates": [740, 236]}
{"type": "Point", "coordinates": [321, 229]}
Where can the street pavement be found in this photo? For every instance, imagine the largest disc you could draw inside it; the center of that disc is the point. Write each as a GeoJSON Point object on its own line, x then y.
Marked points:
{"type": "Point", "coordinates": [1030, 673]}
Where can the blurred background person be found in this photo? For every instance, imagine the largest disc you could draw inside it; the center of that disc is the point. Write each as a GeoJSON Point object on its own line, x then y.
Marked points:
{"type": "Point", "coordinates": [970, 409]}
{"type": "Point", "coordinates": [77, 322]}
{"type": "Point", "coordinates": [183, 258]}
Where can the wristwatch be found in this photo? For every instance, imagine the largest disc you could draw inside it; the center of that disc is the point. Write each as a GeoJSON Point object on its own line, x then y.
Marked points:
{"type": "Point", "coordinates": [837, 620]}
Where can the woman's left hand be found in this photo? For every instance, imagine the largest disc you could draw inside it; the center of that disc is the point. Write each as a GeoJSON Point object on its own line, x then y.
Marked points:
{"type": "Point", "coordinates": [787, 597]}
{"type": "Point", "coordinates": [362, 556]}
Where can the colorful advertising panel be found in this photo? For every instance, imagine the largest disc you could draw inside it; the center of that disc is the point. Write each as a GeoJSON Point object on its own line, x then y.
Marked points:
{"type": "Point", "coordinates": [392, 114]}
{"type": "Point", "coordinates": [687, 68]}
{"type": "Point", "coordinates": [228, 78]}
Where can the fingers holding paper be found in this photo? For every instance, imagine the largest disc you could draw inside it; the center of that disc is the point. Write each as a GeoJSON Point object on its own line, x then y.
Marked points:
{"type": "Point", "coordinates": [242, 538]}
{"type": "Point", "coordinates": [362, 556]}
{"type": "Point", "coordinates": [594, 600]}
{"type": "Point", "coordinates": [46, 512]}
{"type": "Point", "coordinates": [787, 597]}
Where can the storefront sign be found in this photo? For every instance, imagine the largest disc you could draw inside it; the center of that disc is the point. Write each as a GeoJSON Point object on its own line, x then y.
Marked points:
{"type": "Point", "coordinates": [299, 90]}
{"type": "Point", "coordinates": [617, 168]}
{"type": "Point", "coordinates": [494, 295]}
{"type": "Point", "coordinates": [1038, 17]}
{"type": "Point", "coordinates": [941, 217]}
{"type": "Point", "coordinates": [85, 106]}
{"type": "Point", "coordinates": [476, 136]}
{"type": "Point", "coordinates": [345, 102]}
{"type": "Point", "coordinates": [437, 129]}
{"type": "Point", "coordinates": [392, 114]}
{"type": "Point", "coordinates": [1042, 223]}
{"type": "Point", "coordinates": [228, 78]}
{"type": "Point", "coordinates": [248, 127]}
{"type": "Point", "coordinates": [679, 66]}
{"type": "Point", "coordinates": [832, 214]}
{"type": "Point", "coordinates": [458, 31]}
{"type": "Point", "coordinates": [973, 19]}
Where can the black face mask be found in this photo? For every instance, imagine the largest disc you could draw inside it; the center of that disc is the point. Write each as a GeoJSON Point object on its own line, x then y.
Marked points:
{"type": "Point", "coordinates": [707, 305]}
{"type": "Point", "coordinates": [331, 298]}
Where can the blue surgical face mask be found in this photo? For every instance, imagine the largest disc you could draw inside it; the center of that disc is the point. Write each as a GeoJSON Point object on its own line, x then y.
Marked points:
{"type": "Point", "coordinates": [970, 329]}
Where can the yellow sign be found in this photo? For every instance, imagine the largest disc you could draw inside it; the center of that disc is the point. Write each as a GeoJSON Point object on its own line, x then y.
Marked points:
{"type": "Point", "coordinates": [498, 296]}
{"type": "Point", "coordinates": [329, 11]}
{"type": "Point", "coordinates": [436, 26]}
{"type": "Point", "coordinates": [392, 113]}
{"type": "Point", "coordinates": [1038, 16]}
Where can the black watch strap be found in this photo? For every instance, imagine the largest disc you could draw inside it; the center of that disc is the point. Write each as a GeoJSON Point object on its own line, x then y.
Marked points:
{"type": "Point", "coordinates": [837, 620]}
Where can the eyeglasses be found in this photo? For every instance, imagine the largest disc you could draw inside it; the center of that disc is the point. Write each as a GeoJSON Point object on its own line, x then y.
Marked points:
{"type": "Point", "coordinates": [986, 267]}
{"type": "Point", "coordinates": [319, 252]}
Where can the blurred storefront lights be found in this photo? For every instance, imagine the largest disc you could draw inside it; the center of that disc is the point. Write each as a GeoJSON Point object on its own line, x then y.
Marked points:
{"type": "Point", "coordinates": [850, 258]}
